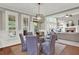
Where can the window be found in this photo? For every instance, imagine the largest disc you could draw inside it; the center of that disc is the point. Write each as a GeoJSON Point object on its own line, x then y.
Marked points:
{"type": "Point", "coordinates": [51, 23]}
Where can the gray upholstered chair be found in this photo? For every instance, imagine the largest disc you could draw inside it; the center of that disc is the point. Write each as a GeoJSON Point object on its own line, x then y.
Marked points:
{"type": "Point", "coordinates": [49, 46]}
{"type": "Point", "coordinates": [32, 45]}
{"type": "Point", "coordinates": [23, 42]}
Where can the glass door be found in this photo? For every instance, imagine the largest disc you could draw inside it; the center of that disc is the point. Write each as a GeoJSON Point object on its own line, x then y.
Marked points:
{"type": "Point", "coordinates": [11, 27]}
{"type": "Point", "coordinates": [25, 23]}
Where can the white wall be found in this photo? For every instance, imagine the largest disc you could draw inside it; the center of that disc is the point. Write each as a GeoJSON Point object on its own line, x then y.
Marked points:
{"type": "Point", "coordinates": [74, 18]}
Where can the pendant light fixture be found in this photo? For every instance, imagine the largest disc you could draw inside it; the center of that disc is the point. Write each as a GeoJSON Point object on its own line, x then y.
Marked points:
{"type": "Point", "coordinates": [39, 17]}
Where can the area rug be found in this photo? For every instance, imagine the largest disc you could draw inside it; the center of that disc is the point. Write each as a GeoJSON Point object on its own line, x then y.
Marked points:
{"type": "Point", "coordinates": [59, 48]}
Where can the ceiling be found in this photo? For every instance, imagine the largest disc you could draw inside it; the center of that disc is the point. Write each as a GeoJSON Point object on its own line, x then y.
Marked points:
{"type": "Point", "coordinates": [32, 8]}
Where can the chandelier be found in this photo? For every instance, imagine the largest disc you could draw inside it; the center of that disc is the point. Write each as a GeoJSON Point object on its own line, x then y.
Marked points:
{"type": "Point", "coordinates": [39, 17]}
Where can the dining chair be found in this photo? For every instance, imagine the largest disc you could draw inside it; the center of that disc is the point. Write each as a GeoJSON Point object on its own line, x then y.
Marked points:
{"type": "Point", "coordinates": [23, 42]}
{"type": "Point", "coordinates": [49, 46]}
{"type": "Point", "coordinates": [32, 45]}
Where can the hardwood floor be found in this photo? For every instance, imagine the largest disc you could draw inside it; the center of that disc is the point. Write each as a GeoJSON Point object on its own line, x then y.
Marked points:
{"type": "Point", "coordinates": [13, 50]}
{"type": "Point", "coordinates": [16, 50]}
{"type": "Point", "coordinates": [70, 50]}
{"type": "Point", "coordinates": [5, 51]}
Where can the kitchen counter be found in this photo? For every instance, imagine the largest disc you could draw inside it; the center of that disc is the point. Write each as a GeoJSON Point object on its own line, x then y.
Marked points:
{"type": "Point", "coordinates": [73, 36]}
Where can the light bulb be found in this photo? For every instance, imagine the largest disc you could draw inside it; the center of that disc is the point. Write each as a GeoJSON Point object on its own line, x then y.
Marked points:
{"type": "Point", "coordinates": [38, 18]}
{"type": "Point", "coordinates": [67, 15]}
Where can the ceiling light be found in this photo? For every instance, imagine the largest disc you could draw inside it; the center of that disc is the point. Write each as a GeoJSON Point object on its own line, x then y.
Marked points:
{"type": "Point", "coordinates": [68, 15]}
